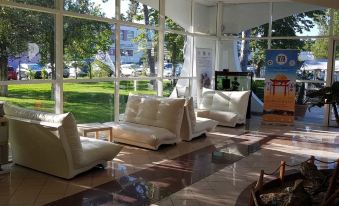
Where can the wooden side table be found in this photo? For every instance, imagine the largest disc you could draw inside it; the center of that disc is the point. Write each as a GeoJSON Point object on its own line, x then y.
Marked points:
{"type": "Point", "coordinates": [84, 129]}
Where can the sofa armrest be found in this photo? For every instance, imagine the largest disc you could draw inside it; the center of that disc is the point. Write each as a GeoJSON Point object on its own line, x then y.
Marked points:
{"type": "Point", "coordinates": [42, 123]}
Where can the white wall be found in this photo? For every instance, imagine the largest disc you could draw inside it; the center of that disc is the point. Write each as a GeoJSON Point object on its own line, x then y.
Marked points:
{"type": "Point", "coordinates": [239, 17]}
{"type": "Point", "coordinates": [229, 56]}
{"type": "Point", "coordinates": [179, 11]}
{"type": "Point", "coordinates": [205, 18]}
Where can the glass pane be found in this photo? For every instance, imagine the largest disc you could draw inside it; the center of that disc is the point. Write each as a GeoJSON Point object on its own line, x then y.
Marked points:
{"type": "Point", "coordinates": [31, 96]}
{"type": "Point", "coordinates": [256, 58]}
{"type": "Point", "coordinates": [102, 8]}
{"type": "Point", "coordinates": [175, 54]}
{"type": "Point", "coordinates": [304, 110]}
{"type": "Point", "coordinates": [227, 53]}
{"type": "Point", "coordinates": [311, 75]}
{"type": "Point", "coordinates": [206, 23]}
{"type": "Point", "coordinates": [142, 87]}
{"type": "Point", "coordinates": [334, 114]}
{"type": "Point", "coordinates": [178, 17]}
{"type": "Point", "coordinates": [336, 22]}
{"type": "Point", "coordinates": [24, 57]}
{"type": "Point", "coordinates": [295, 19]}
{"type": "Point", "coordinates": [176, 87]}
{"type": "Point", "coordinates": [139, 52]}
{"type": "Point", "coordinates": [88, 47]}
{"type": "Point", "coordinates": [45, 3]}
{"type": "Point", "coordinates": [250, 19]}
{"type": "Point", "coordinates": [90, 102]}
{"type": "Point", "coordinates": [137, 12]}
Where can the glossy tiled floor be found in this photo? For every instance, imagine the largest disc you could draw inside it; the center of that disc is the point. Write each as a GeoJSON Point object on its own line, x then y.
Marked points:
{"type": "Point", "coordinates": [223, 185]}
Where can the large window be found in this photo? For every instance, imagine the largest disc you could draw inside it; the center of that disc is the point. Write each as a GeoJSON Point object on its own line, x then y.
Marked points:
{"type": "Point", "coordinates": [31, 96]}
{"type": "Point", "coordinates": [87, 46]}
{"type": "Point", "coordinates": [45, 3]}
{"type": "Point", "coordinates": [142, 87]}
{"type": "Point", "coordinates": [32, 32]}
{"type": "Point", "coordinates": [137, 12]}
{"type": "Point", "coordinates": [90, 101]}
{"type": "Point", "coordinates": [103, 8]}
{"type": "Point", "coordinates": [139, 52]}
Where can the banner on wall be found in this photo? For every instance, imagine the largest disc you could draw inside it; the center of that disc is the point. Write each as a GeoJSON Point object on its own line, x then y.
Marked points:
{"type": "Point", "coordinates": [204, 66]}
{"type": "Point", "coordinates": [280, 80]}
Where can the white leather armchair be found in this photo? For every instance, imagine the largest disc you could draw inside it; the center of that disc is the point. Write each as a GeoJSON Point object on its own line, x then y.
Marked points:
{"type": "Point", "coordinates": [229, 108]}
{"type": "Point", "coordinates": [50, 143]}
{"type": "Point", "coordinates": [193, 126]}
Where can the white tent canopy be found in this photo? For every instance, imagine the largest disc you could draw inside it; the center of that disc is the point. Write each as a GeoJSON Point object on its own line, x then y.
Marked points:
{"type": "Point", "coordinates": [318, 64]}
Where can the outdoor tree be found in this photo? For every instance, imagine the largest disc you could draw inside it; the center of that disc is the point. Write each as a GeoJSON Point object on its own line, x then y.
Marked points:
{"type": "Point", "coordinates": [15, 34]}
{"type": "Point", "coordinates": [288, 26]}
{"type": "Point", "coordinates": [83, 39]}
{"type": "Point", "coordinates": [173, 42]}
{"type": "Point", "coordinates": [320, 46]}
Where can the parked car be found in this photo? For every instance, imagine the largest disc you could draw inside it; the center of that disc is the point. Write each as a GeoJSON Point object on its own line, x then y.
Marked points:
{"type": "Point", "coordinates": [127, 70]}
{"type": "Point", "coordinates": [11, 73]}
{"type": "Point", "coordinates": [81, 70]}
{"type": "Point", "coordinates": [49, 71]}
{"type": "Point", "coordinates": [168, 69]}
{"type": "Point", "coordinates": [29, 71]}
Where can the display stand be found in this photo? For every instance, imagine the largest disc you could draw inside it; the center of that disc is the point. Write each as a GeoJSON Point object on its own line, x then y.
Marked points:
{"type": "Point", "coordinates": [3, 143]}
{"type": "Point", "coordinates": [235, 81]}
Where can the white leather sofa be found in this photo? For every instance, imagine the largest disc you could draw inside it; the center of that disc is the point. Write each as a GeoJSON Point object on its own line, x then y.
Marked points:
{"type": "Point", "coordinates": [193, 126]}
{"type": "Point", "coordinates": [50, 143]}
{"type": "Point", "coordinates": [227, 107]}
{"type": "Point", "coordinates": [150, 121]}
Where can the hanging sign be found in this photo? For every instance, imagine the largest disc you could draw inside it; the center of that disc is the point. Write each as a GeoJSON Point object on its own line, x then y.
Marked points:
{"type": "Point", "coordinates": [280, 80]}
{"type": "Point", "coordinates": [204, 66]}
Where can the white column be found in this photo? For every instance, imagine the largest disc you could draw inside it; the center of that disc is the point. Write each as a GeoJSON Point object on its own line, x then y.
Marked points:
{"type": "Point", "coordinates": [270, 13]}
{"type": "Point", "coordinates": [117, 62]}
{"type": "Point", "coordinates": [161, 46]}
{"type": "Point", "coordinates": [330, 64]}
{"type": "Point", "coordinates": [192, 47]}
{"type": "Point", "coordinates": [59, 65]}
{"type": "Point", "coordinates": [219, 34]}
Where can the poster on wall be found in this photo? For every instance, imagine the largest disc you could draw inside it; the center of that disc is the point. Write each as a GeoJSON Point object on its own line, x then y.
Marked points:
{"type": "Point", "coordinates": [280, 81]}
{"type": "Point", "coordinates": [204, 66]}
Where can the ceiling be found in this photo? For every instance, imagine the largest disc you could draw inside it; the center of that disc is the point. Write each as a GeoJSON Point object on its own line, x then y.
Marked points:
{"type": "Point", "coordinates": [323, 3]}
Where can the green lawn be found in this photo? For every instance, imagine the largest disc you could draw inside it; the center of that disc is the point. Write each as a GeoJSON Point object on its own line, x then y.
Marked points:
{"type": "Point", "coordinates": [89, 102]}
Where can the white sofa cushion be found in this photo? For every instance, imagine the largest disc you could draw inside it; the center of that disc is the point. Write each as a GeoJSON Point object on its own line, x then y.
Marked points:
{"type": "Point", "coordinates": [224, 118]}
{"type": "Point", "coordinates": [227, 107]}
{"type": "Point", "coordinates": [203, 125]}
{"type": "Point", "coordinates": [143, 134]}
{"type": "Point", "coordinates": [190, 110]}
{"type": "Point", "coordinates": [147, 111]}
{"type": "Point", "coordinates": [94, 150]}
{"type": "Point", "coordinates": [155, 111]}
{"type": "Point", "coordinates": [239, 102]}
{"type": "Point", "coordinates": [132, 108]}
{"type": "Point", "coordinates": [67, 120]}
{"type": "Point", "coordinates": [221, 102]}
{"type": "Point", "coordinates": [73, 139]}
{"type": "Point", "coordinates": [206, 98]}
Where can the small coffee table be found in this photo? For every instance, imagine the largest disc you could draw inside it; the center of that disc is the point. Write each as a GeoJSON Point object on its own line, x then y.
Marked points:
{"type": "Point", "coordinates": [83, 129]}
